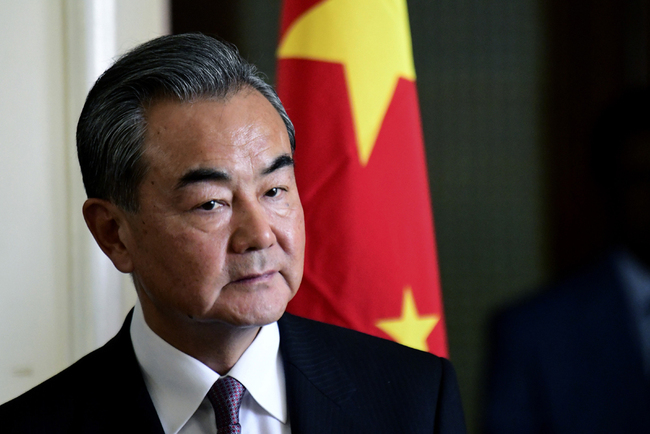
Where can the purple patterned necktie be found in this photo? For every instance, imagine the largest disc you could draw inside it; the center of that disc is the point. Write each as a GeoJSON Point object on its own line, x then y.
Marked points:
{"type": "Point", "coordinates": [225, 396]}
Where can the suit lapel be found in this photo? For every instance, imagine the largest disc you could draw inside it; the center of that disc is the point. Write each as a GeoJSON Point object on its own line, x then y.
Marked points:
{"type": "Point", "coordinates": [319, 390]}
{"type": "Point", "coordinates": [124, 394]}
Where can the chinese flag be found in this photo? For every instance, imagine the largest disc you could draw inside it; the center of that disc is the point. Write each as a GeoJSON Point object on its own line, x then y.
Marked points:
{"type": "Point", "coordinates": [346, 77]}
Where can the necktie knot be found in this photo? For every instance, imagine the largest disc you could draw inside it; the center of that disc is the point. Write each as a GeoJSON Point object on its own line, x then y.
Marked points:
{"type": "Point", "coordinates": [225, 396]}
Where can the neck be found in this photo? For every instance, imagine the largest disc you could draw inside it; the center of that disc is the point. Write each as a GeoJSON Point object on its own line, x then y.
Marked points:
{"type": "Point", "coordinates": [215, 344]}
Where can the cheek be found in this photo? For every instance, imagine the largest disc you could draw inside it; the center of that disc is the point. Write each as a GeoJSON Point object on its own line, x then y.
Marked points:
{"type": "Point", "coordinates": [300, 239]}
{"type": "Point", "coordinates": [202, 257]}
{"type": "Point", "coordinates": [182, 259]}
{"type": "Point", "coordinates": [293, 234]}
{"type": "Point", "coordinates": [186, 275]}
{"type": "Point", "coordinates": [290, 228]}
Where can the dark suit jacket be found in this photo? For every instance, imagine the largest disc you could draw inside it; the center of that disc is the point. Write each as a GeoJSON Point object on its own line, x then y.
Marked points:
{"type": "Point", "coordinates": [568, 361]}
{"type": "Point", "coordinates": [338, 381]}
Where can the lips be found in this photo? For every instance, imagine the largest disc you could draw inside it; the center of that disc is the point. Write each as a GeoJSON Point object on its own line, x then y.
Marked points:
{"type": "Point", "coordinates": [255, 277]}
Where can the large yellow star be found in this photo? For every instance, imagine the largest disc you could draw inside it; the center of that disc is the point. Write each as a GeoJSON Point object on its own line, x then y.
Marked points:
{"type": "Point", "coordinates": [372, 39]}
{"type": "Point", "coordinates": [410, 329]}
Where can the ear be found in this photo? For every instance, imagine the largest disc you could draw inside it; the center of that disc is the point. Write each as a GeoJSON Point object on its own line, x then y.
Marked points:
{"type": "Point", "coordinates": [110, 228]}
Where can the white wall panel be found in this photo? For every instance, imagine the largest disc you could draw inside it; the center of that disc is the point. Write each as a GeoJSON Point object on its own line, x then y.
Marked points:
{"type": "Point", "coordinates": [33, 245]}
{"type": "Point", "coordinates": [55, 304]}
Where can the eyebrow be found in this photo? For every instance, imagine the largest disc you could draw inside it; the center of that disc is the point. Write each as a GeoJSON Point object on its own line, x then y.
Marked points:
{"type": "Point", "coordinates": [196, 176]}
{"type": "Point", "coordinates": [283, 160]}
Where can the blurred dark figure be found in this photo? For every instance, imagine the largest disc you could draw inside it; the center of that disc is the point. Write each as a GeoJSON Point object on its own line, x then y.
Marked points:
{"type": "Point", "coordinates": [576, 359]}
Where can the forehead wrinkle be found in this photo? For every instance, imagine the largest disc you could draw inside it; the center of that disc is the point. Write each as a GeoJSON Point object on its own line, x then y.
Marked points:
{"type": "Point", "coordinates": [164, 131]}
{"type": "Point", "coordinates": [249, 135]}
{"type": "Point", "coordinates": [251, 143]}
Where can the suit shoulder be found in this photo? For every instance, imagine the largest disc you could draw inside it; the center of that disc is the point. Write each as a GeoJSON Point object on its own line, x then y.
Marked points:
{"type": "Point", "coordinates": [73, 395]}
{"type": "Point", "coordinates": [26, 413]}
{"type": "Point", "coordinates": [364, 348]}
{"type": "Point", "coordinates": [394, 388]}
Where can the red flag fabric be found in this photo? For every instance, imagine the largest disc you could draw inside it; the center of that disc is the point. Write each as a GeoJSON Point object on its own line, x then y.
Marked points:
{"type": "Point", "coordinates": [346, 78]}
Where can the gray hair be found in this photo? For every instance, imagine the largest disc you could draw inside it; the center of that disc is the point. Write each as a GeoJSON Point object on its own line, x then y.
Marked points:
{"type": "Point", "coordinates": [111, 128]}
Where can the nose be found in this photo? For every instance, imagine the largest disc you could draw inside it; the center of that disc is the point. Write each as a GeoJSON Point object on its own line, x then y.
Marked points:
{"type": "Point", "coordinates": [252, 229]}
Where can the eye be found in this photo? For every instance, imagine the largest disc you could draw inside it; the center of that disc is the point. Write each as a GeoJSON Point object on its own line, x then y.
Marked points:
{"type": "Point", "coordinates": [209, 206]}
{"type": "Point", "coordinates": [274, 192]}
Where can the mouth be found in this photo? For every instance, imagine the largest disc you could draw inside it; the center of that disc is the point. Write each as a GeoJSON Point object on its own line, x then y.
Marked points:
{"type": "Point", "coordinates": [255, 277]}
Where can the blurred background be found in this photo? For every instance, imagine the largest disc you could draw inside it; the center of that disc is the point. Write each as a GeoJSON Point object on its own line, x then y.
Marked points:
{"type": "Point", "coordinates": [509, 92]}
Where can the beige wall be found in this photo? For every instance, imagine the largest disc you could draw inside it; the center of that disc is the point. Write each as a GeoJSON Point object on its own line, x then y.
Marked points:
{"type": "Point", "coordinates": [58, 297]}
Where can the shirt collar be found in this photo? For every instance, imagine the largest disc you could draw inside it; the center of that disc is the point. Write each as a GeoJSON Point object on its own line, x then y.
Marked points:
{"type": "Point", "coordinates": [178, 383]}
{"type": "Point", "coordinates": [261, 371]}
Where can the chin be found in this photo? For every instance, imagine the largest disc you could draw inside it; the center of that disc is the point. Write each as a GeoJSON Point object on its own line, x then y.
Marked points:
{"type": "Point", "coordinates": [255, 316]}
{"type": "Point", "coordinates": [259, 319]}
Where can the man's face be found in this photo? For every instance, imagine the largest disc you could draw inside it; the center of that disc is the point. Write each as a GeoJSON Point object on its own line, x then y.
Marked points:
{"type": "Point", "coordinates": [219, 236]}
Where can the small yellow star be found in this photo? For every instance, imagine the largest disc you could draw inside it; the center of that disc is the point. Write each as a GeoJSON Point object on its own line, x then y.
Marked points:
{"type": "Point", "coordinates": [410, 329]}
{"type": "Point", "coordinates": [372, 39]}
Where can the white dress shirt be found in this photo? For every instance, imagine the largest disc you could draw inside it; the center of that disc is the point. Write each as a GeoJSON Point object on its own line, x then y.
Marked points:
{"type": "Point", "coordinates": [178, 383]}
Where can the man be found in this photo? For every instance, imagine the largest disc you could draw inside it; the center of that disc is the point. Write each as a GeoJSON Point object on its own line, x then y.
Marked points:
{"type": "Point", "coordinates": [576, 359]}
{"type": "Point", "coordinates": [186, 156]}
